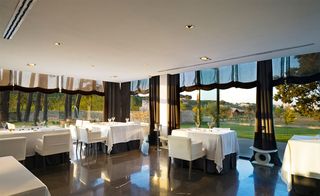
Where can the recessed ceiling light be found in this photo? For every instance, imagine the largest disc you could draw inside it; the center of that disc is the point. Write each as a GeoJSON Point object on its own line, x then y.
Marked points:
{"type": "Point", "coordinates": [92, 65]}
{"type": "Point", "coordinates": [114, 76]}
{"type": "Point", "coordinates": [31, 64]}
{"type": "Point", "coordinates": [205, 58]}
{"type": "Point", "coordinates": [57, 43]}
{"type": "Point", "coordinates": [189, 26]}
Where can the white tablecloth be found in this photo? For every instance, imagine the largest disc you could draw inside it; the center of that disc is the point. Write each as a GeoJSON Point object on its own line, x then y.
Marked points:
{"type": "Point", "coordinates": [217, 143]}
{"type": "Point", "coordinates": [15, 179]}
{"type": "Point", "coordinates": [119, 133]}
{"type": "Point", "coordinates": [33, 135]}
{"type": "Point", "coordinates": [302, 158]}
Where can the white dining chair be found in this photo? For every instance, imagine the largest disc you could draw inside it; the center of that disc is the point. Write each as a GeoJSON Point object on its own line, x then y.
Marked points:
{"type": "Point", "coordinates": [90, 137]}
{"type": "Point", "coordinates": [78, 123]}
{"type": "Point", "coordinates": [14, 146]}
{"type": "Point", "coordinates": [11, 126]}
{"type": "Point", "coordinates": [53, 144]}
{"type": "Point", "coordinates": [182, 148]}
{"type": "Point", "coordinates": [86, 124]}
{"type": "Point", "coordinates": [75, 135]}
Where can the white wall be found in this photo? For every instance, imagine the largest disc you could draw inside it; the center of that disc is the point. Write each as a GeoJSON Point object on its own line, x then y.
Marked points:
{"type": "Point", "coordinates": [164, 104]}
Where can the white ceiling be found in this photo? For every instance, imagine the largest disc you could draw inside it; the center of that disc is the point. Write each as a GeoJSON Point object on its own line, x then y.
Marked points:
{"type": "Point", "coordinates": [135, 39]}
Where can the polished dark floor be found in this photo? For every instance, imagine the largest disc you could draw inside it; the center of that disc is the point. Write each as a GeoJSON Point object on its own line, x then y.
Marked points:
{"type": "Point", "coordinates": [131, 173]}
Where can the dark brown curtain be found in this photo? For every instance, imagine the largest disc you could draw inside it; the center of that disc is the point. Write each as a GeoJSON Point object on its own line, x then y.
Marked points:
{"type": "Point", "coordinates": [264, 137]}
{"type": "Point", "coordinates": [112, 101]}
{"type": "Point", "coordinates": [173, 102]}
{"type": "Point", "coordinates": [4, 105]}
{"type": "Point", "coordinates": [125, 101]}
{"type": "Point", "coordinates": [154, 107]}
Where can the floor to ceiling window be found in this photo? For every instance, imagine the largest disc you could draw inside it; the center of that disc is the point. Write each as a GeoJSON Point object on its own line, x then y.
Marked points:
{"type": "Point", "coordinates": [237, 110]}
{"type": "Point", "coordinates": [296, 110]}
{"type": "Point", "coordinates": [139, 108]}
{"type": "Point", "coordinates": [33, 108]}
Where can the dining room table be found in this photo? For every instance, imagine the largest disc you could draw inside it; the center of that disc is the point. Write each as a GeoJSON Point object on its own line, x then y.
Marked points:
{"type": "Point", "coordinates": [120, 133]}
{"type": "Point", "coordinates": [221, 145]}
{"type": "Point", "coordinates": [301, 161]}
{"type": "Point", "coordinates": [15, 179]}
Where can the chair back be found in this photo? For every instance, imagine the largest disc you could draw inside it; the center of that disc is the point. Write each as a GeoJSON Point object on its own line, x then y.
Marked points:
{"type": "Point", "coordinates": [79, 123]}
{"type": "Point", "coordinates": [179, 147]}
{"type": "Point", "coordinates": [86, 124]}
{"type": "Point", "coordinates": [11, 126]}
{"type": "Point", "coordinates": [14, 146]}
{"type": "Point", "coordinates": [56, 143]}
{"type": "Point", "coordinates": [74, 132]}
{"type": "Point", "coordinates": [83, 135]}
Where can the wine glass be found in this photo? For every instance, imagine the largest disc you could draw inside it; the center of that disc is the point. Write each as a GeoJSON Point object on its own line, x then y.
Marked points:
{"type": "Point", "coordinates": [109, 119]}
{"type": "Point", "coordinates": [210, 125]}
{"type": "Point", "coordinates": [127, 120]}
{"type": "Point", "coordinates": [113, 118]}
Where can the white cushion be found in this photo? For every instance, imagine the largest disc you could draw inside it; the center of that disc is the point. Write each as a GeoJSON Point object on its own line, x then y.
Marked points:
{"type": "Point", "coordinates": [183, 148]}
{"type": "Point", "coordinates": [53, 144]}
{"type": "Point", "coordinates": [11, 126]}
{"type": "Point", "coordinates": [74, 132]}
{"type": "Point", "coordinates": [90, 137]}
{"type": "Point", "coordinates": [14, 146]}
{"type": "Point", "coordinates": [79, 123]}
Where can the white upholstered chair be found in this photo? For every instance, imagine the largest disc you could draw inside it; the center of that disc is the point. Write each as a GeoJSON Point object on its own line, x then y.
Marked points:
{"type": "Point", "coordinates": [53, 144]}
{"type": "Point", "coordinates": [90, 137]}
{"type": "Point", "coordinates": [11, 126]}
{"type": "Point", "coordinates": [183, 148]}
{"type": "Point", "coordinates": [14, 146]}
{"type": "Point", "coordinates": [75, 134]}
{"type": "Point", "coordinates": [78, 123]}
{"type": "Point", "coordinates": [86, 124]}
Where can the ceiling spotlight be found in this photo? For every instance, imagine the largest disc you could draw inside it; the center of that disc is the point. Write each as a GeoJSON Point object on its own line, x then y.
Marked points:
{"type": "Point", "coordinates": [205, 58]}
{"type": "Point", "coordinates": [57, 43]}
{"type": "Point", "coordinates": [93, 66]}
{"type": "Point", "coordinates": [114, 76]}
{"type": "Point", "coordinates": [189, 26]}
{"type": "Point", "coordinates": [31, 64]}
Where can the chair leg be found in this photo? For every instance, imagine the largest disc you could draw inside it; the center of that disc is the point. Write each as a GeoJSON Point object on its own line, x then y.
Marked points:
{"type": "Point", "coordinates": [80, 147]}
{"type": "Point", "coordinates": [190, 167]}
{"type": "Point", "coordinates": [169, 166]}
{"type": "Point", "coordinates": [204, 164]}
{"type": "Point", "coordinates": [77, 146]}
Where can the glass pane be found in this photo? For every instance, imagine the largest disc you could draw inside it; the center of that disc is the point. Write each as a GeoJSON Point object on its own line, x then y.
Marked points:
{"type": "Point", "coordinates": [188, 108]}
{"type": "Point", "coordinates": [237, 112]}
{"type": "Point", "coordinates": [295, 112]}
{"type": "Point", "coordinates": [198, 107]}
{"type": "Point", "coordinates": [26, 109]}
{"type": "Point", "coordinates": [188, 78]}
{"type": "Point", "coordinates": [91, 108]}
{"type": "Point", "coordinates": [225, 74]}
{"type": "Point", "coordinates": [304, 65]}
{"type": "Point", "coordinates": [278, 68]}
{"type": "Point", "coordinates": [208, 76]}
{"type": "Point", "coordinates": [247, 72]}
{"type": "Point", "coordinates": [139, 108]}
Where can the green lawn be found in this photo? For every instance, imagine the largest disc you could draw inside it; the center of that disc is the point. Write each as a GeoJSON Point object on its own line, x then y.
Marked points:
{"type": "Point", "coordinates": [283, 134]}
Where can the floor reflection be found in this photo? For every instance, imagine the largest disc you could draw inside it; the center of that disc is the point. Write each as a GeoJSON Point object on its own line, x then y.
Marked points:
{"type": "Point", "coordinates": [131, 173]}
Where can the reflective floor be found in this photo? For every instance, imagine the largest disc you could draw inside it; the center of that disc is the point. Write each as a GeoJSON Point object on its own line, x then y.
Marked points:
{"type": "Point", "coordinates": [131, 173]}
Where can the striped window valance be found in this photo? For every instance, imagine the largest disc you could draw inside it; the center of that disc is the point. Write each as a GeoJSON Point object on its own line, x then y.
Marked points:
{"type": "Point", "coordinates": [29, 81]}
